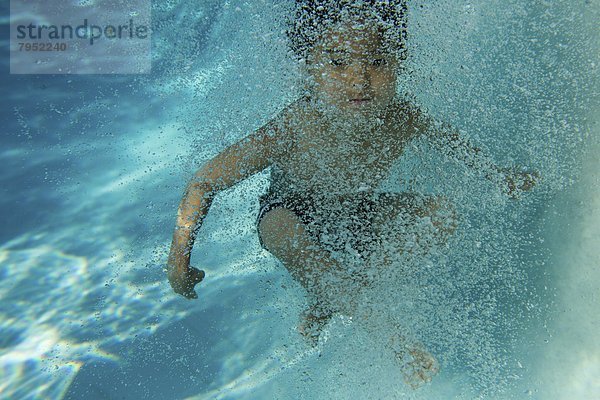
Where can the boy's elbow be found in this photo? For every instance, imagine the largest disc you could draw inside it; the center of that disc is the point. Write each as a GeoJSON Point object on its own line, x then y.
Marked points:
{"type": "Point", "coordinates": [211, 180]}
{"type": "Point", "coordinates": [203, 181]}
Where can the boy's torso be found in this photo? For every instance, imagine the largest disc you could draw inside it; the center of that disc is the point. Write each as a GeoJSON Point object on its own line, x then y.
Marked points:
{"type": "Point", "coordinates": [324, 160]}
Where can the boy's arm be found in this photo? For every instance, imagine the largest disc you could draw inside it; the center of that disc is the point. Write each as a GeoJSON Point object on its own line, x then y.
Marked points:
{"type": "Point", "coordinates": [448, 140]}
{"type": "Point", "coordinates": [237, 162]}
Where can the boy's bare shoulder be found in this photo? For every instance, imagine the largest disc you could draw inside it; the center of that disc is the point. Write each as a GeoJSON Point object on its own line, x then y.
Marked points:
{"type": "Point", "coordinates": [285, 123]}
{"type": "Point", "coordinates": [402, 119]}
{"type": "Point", "coordinates": [296, 114]}
{"type": "Point", "coordinates": [278, 135]}
{"type": "Point", "coordinates": [404, 109]}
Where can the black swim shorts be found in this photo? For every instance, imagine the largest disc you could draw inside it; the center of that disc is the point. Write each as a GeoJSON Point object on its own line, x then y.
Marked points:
{"type": "Point", "coordinates": [347, 223]}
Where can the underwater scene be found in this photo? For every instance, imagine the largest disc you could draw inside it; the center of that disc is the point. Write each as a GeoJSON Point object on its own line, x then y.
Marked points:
{"type": "Point", "coordinates": [404, 201]}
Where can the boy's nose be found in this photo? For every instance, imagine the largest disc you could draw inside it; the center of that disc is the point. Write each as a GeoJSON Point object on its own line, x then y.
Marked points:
{"type": "Point", "coordinates": [361, 77]}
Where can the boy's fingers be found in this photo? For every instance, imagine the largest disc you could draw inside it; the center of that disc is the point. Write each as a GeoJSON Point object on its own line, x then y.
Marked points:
{"type": "Point", "coordinates": [188, 292]}
{"type": "Point", "coordinates": [184, 284]}
{"type": "Point", "coordinates": [530, 180]}
{"type": "Point", "coordinates": [535, 177]}
{"type": "Point", "coordinates": [198, 275]}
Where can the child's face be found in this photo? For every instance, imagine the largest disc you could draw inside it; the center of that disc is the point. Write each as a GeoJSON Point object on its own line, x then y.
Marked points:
{"type": "Point", "coordinates": [351, 71]}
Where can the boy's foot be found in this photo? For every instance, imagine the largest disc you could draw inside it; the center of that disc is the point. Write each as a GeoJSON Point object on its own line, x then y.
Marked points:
{"type": "Point", "coordinates": [313, 321]}
{"type": "Point", "coordinates": [418, 366]}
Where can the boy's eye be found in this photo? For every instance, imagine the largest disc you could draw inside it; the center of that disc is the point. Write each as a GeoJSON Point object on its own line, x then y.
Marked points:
{"type": "Point", "coordinates": [379, 62]}
{"type": "Point", "coordinates": [339, 62]}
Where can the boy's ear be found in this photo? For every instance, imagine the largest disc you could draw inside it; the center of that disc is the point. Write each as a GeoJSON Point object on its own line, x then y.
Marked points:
{"type": "Point", "coordinates": [308, 63]}
{"type": "Point", "coordinates": [309, 59]}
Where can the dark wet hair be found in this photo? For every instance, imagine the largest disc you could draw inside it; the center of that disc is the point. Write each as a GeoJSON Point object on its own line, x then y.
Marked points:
{"type": "Point", "coordinates": [312, 17]}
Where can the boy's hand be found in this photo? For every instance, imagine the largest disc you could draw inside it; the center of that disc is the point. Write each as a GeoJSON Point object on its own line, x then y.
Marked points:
{"type": "Point", "coordinates": [520, 181]}
{"type": "Point", "coordinates": [420, 369]}
{"type": "Point", "coordinates": [183, 281]}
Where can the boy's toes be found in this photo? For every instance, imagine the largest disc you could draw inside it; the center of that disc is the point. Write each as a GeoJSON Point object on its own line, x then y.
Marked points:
{"type": "Point", "coordinates": [313, 322]}
{"type": "Point", "coordinates": [420, 369]}
{"type": "Point", "coordinates": [307, 331]}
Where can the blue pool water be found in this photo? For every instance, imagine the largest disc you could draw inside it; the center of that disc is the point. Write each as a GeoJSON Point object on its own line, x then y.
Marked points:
{"type": "Point", "coordinates": [94, 166]}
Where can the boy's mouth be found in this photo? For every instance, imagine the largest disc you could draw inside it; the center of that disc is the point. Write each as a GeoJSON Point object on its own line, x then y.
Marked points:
{"type": "Point", "coordinates": [360, 100]}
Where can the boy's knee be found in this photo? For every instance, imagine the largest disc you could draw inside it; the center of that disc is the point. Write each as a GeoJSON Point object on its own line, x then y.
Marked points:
{"type": "Point", "coordinates": [278, 227]}
{"type": "Point", "coordinates": [443, 214]}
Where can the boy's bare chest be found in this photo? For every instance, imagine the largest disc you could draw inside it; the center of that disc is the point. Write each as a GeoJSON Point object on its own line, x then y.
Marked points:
{"type": "Point", "coordinates": [326, 161]}
{"type": "Point", "coordinates": [349, 153]}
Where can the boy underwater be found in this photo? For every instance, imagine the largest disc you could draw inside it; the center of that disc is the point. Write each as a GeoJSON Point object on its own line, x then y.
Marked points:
{"type": "Point", "coordinates": [328, 152]}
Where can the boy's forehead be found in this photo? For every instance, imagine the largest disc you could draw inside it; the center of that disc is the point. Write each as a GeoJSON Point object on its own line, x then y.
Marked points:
{"type": "Point", "coordinates": [352, 39]}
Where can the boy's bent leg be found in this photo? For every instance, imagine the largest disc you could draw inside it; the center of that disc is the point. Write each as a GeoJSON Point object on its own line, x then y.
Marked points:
{"type": "Point", "coordinates": [287, 238]}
